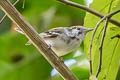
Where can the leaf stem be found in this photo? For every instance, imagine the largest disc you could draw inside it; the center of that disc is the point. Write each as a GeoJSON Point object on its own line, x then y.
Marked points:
{"type": "Point", "coordinates": [107, 17]}
{"type": "Point", "coordinates": [92, 37]}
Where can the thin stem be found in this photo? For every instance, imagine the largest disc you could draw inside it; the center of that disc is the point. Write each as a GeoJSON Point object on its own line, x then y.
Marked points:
{"type": "Point", "coordinates": [67, 2]}
{"type": "Point", "coordinates": [100, 48]}
{"type": "Point", "coordinates": [116, 36]}
{"type": "Point", "coordinates": [5, 14]}
{"type": "Point", "coordinates": [92, 37]}
{"type": "Point", "coordinates": [23, 4]}
{"type": "Point", "coordinates": [91, 42]}
{"type": "Point", "coordinates": [102, 40]}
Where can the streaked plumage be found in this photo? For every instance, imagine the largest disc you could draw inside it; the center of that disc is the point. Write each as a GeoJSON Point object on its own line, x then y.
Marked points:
{"type": "Point", "coordinates": [63, 39]}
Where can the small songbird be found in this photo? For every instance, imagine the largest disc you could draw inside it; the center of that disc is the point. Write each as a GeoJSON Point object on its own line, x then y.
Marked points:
{"type": "Point", "coordinates": [63, 40]}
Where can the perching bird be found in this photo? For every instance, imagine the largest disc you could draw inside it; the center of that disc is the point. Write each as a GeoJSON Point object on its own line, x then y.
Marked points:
{"type": "Point", "coordinates": [63, 40]}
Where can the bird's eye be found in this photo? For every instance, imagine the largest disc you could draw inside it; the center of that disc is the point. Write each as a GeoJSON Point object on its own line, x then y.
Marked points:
{"type": "Point", "coordinates": [79, 32]}
{"type": "Point", "coordinates": [78, 28]}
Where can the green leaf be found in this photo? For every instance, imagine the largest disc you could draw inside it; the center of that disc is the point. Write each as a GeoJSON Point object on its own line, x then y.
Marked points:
{"type": "Point", "coordinates": [20, 62]}
{"type": "Point", "coordinates": [38, 12]}
{"type": "Point", "coordinates": [111, 52]}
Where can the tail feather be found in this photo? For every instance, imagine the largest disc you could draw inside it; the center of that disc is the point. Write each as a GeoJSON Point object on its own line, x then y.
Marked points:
{"type": "Point", "coordinates": [28, 43]}
{"type": "Point", "coordinates": [19, 30]}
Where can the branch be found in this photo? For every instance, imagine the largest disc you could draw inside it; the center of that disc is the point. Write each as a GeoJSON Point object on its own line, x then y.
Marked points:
{"type": "Point", "coordinates": [5, 14]}
{"type": "Point", "coordinates": [89, 10]}
{"type": "Point", "coordinates": [37, 41]}
{"type": "Point", "coordinates": [93, 35]}
{"type": "Point", "coordinates": [116, 36]}
{"type": "Point", "coordinates": [102, 40]}
{"type": "Point", "coordinates": [101, 46]}
{"type": "Point", "coordinates": [91, 42]}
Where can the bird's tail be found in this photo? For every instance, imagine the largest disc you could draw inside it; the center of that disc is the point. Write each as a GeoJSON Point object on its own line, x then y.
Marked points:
{"type": "Point", "coordinates": [20, 31]}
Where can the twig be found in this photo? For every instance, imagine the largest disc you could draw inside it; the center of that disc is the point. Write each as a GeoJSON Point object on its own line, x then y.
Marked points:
{"type": "Point", "coordinates": [116, 36]}
{"type": "Point", "coordinates": [92, 37]}
{"type": "Point", "coordinates": [91, 42]}
{"type": "Point", "coordinates": [23, 6]}
{"type": "Point", "coordinates": [37, 41]}
{"type": "Point", "coordinates": [67, 2]}
{"type": "Point", "coordinates": [101, 46]}
{"type": "Point", "coordinates": [5, 14]}
{"type": "Point", "coordinates": [102, 40]}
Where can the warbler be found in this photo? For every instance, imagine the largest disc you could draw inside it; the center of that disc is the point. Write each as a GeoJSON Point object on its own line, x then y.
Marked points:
{"type": "Point", "coordinates": [63, 40]}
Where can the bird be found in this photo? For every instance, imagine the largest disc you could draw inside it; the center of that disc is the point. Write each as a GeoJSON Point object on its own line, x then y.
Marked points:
{"type": "Point", "coordinates": [62, 40]}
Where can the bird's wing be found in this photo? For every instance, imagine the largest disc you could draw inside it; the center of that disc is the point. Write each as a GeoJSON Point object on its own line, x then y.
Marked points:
{"type": "Point", "coordinates": [52, 33]}
{"type": "Point", "coordinates": [68, 31]}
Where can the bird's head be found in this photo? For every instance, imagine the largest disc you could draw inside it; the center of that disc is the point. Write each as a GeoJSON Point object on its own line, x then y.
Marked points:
{"type": "Point", "coordinates": [80, 31]}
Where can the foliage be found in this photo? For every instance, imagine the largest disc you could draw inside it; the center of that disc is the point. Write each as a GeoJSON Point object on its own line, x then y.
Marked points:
{"type": "Point", "coordinates": [20, 62]}
{"type": "Point", "coordinates": [111, 53]}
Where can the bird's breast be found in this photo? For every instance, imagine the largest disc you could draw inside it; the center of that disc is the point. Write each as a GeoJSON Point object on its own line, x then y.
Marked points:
{"type": "Point", "coordinates": [62, 47]}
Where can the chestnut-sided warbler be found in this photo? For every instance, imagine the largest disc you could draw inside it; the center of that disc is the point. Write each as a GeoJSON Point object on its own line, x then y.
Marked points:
{"type": "Point", "coordinates": [63, 40]}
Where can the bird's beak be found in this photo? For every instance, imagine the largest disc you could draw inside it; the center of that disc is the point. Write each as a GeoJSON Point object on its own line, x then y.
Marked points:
{"type": "Point", "coordinates": [88, 30]}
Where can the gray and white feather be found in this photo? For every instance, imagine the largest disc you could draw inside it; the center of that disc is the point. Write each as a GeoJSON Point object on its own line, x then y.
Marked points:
{"type": "Point", "coordinates": [63, 40]}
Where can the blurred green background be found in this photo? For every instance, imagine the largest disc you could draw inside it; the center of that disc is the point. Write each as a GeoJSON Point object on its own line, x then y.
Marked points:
{"type": "Point", "coordinates": [20, 62]}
